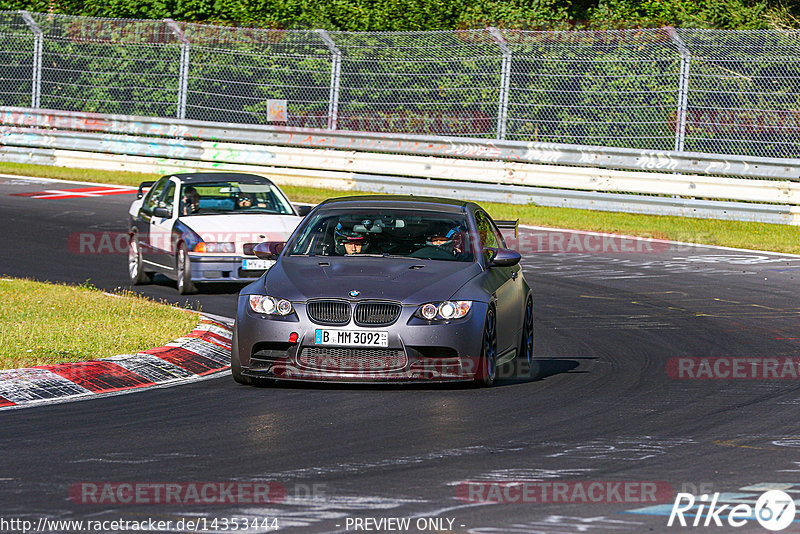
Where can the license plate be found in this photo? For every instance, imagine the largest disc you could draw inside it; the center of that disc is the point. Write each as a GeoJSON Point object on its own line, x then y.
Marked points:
{"type": "Point", "coordinates": [350, 338]}
{"type": "Point", "coordinates": [257, 264]}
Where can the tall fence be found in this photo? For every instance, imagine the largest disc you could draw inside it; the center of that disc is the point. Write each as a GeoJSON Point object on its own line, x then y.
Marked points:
{"type": "Point", "coordinates": [714, 91]}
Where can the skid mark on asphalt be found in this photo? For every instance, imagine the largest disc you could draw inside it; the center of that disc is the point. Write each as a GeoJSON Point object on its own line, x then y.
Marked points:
{"type": "Point", "coordinates": [304, 512]}
{"type": "Point", "coordinates": [393, 462]}
{"type": "Point", "coordinates": [526, 474]}
{"type": "Point", "coordinates": [635, 448]}
{"type": "Point", "coordinates": [762, 443]}
{"type": "Point", "coordinates": [560, 524]}
{"type": "Point", "coordinates": [673, 304]}
{"type": "Point", "coordinates": [130, 459]}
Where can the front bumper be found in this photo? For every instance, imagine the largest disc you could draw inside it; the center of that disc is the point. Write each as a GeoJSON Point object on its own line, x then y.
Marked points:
{"type": "Point", "coordinates": [221, 268]}
{"type": "Point", "coordinates": [417, 350]}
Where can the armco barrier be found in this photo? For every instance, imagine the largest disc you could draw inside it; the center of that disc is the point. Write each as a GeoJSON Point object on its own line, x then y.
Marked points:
{"type": "Point", "coordinates": [581, 177]}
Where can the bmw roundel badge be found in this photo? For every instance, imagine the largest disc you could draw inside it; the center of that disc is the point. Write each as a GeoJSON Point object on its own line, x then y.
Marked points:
{"type": "Point", "coordinates": [354, 293]}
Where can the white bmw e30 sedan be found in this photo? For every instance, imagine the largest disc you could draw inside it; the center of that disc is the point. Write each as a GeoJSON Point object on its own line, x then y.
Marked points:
{"type": "Point", "coordinates": [202, 227]}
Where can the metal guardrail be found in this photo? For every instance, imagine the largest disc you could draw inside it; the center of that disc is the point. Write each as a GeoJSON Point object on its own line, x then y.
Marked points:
{"type": "Point", "coordinates": [484, 170]}
{"type": "Point", "coordinates": [482, 192]}
{"type": "Point", "coordinates": [457, 147]}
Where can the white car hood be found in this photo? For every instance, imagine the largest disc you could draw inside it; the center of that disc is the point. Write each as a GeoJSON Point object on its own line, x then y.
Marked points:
{"type": "Point", "coordinates": [242, 228]}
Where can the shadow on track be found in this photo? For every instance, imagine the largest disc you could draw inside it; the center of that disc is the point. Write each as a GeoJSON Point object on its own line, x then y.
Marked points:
{"type": "Point", "coordinates": [547, 367]}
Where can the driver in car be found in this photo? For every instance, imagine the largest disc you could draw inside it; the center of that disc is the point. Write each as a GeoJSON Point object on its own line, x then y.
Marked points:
{"type": "Point", "coordinates": [190, 200]}
{"type": "Point", "coordinates": [445, 244]}
{"type": "Point", "coordinates": [349, 242]}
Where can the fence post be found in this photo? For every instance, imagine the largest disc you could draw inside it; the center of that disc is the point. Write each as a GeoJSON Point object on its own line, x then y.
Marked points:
{"type": "Point", "coordinates": [38, 37]}
{"type": "Point", "coordinates": [505, 81]}
{"type": "Point", "coordinates": [683, 88]}
{"type": "Point", "coordinates": [336, 73]}
{"type": "Point", "coordinates": [183, 76]}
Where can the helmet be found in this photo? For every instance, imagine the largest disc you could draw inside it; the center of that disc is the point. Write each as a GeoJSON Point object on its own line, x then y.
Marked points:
{"type": "Point", "coordinates": [342, 237]}
{"type": "Point", "coordinates": [347, 236]}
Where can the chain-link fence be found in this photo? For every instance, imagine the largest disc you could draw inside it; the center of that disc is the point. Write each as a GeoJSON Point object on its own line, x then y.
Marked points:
{"type": "Point", "coordinates": [729, 92]}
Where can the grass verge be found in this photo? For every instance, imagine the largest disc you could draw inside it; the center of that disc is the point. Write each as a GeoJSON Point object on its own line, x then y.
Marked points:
{"type": "Point", "coordinates": [738, 234]}
{"type": "Point", "coordinates": [55, 323]}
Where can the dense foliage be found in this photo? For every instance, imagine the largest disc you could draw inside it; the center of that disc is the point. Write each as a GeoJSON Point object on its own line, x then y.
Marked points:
{"type": "Point", "coordinates": [405, 15]}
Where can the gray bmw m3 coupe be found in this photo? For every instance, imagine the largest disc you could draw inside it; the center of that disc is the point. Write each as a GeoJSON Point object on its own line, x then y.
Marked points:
{"type": "Point", "coordinates": [389, 289]}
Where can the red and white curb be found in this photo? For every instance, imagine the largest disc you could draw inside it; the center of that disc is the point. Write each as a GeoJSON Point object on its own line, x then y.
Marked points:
{"type": "Point", "coordinates": [204, 351]}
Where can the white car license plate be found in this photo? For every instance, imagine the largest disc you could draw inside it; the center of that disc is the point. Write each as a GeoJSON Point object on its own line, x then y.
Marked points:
{"type": "Point", "coordinates": [359, 338]}
{"type": "Point", "coordinates": [257, 264]}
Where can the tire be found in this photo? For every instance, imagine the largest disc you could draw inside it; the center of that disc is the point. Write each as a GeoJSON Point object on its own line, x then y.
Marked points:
{"type": "Point", "coordinates": [487, 365]}
{"type": "Point", "coordinates": [184, 271]}
{"type": "Point", "coordinates": [526, 365]}
{"type": "Point", "coordinates": [236, 365]}
{"type": "Point", "coordinates": [236, 368]}
{"type": "Point", "coordinates": [136, 271]}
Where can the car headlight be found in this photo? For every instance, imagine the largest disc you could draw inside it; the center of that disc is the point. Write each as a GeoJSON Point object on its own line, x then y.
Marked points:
{"type": "Point", "coordinates": [215, 247]}
{"type": "Point", "coordinates": [270, 305]}
{"type": "Point", "coordinates": [449, 309]}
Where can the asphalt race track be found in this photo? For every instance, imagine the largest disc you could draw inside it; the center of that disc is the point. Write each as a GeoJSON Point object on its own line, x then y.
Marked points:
{"type": "Point", "coordinates": [613, 331]}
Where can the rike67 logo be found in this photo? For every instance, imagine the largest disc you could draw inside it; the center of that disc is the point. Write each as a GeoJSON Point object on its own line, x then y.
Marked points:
{"type": "Point", "coordinates": [774, 510]}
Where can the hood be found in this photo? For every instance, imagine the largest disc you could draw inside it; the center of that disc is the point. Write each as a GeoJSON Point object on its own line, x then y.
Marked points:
{"type": "Point", "coordinates": [242, 228]}
{"type": "Point", "coordinates": [410, 281]}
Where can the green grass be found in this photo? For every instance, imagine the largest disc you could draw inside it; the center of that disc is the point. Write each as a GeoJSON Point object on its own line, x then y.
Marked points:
{"type": "Point", "coordinates": [78, 175]}
{"type": "Point", "coordinates": [750, 235]}
{"type": "Point", "coordinates": [53, 323]}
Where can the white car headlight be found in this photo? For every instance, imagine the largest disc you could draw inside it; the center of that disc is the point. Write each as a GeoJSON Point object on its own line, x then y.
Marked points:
{"type": "Point", "coordinates": [270, 305]}
{"type": "Point", "coordinates": [449, 309]}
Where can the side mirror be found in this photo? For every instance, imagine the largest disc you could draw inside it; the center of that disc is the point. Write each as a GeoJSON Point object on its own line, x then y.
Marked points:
{"type": "Point", "coordinates": [142, 187]}
{"type": "Point", "coordinates": [164, 213]}
{"type": "Point", "coordinates": [304, 210]}
{"type": "Point", "coordinates": [502, 257]}
{"type": "Point", "coordinates": [269, 250]}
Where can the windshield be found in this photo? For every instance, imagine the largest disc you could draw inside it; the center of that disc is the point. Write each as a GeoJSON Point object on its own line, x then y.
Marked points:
{"type": "Point", "coordinates": [381, 232]}
{"type": "Point", "coordinates": [233, 197]}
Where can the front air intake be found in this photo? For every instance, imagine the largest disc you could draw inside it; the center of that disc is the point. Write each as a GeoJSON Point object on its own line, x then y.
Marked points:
{"type": "Point", "coordinates": [377, 313]}
{"type": "Point", "coordinates": [333, 312]}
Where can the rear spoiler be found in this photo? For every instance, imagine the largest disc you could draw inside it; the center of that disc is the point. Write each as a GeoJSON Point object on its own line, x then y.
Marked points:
{"type": "Point", "coordinates": [509, 224]}
{"type": "Point", "coordinates": [141, 187]}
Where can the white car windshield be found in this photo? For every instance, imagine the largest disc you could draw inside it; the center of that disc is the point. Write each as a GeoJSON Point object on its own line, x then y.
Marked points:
{"type": "Point", "coordinates": [385, 233]}
{"type": "Point", "coordinates": [233, 197]}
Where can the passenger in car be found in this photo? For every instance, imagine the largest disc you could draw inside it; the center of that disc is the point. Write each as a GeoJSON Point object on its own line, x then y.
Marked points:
{"type": "Point", "coordinates": [244, 201]}
{"type": "Point", "coordinates": [190, 203]}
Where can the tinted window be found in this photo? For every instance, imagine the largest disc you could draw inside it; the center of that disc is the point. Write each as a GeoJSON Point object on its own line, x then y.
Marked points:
{"type": "Point", "coordinates": [385, 232]}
